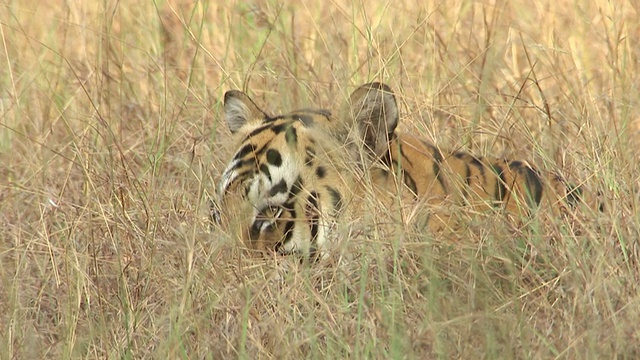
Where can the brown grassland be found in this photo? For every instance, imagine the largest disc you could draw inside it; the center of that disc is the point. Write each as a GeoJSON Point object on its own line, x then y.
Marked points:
{"type": "Point", "coordinates": [111, 139]}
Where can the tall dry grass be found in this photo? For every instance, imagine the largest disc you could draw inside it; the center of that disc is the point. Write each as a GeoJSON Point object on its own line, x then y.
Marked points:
{"type": "Point", "coordinates": [111, 138]}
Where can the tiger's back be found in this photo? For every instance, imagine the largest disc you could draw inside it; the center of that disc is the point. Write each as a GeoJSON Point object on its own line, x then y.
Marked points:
{"type": "Point", "coordinates": [433, 176]}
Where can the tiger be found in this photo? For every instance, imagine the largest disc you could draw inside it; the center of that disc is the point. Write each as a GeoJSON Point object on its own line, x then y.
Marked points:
{"type": "Point", "coordinates": [292, 177]}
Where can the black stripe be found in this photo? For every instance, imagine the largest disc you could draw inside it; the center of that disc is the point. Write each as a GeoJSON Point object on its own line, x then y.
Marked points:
{"type": "Point", "coordinates": [288, 234]}
{"type": "Point", "coordinates": [291, 135]}
{"type": "Point", "coordinates": [574, 196]}
{"type": "Point", "coordinates": [314, 228]}
{"type": "Point", "coordinates": [336, 198]}
{"type": "Point", "coordinates": [437, 161]}
{"type": "Point", "coordinates": [473, 160]}
{"type": "Point", "coordinates": [242, 163]}
{"type": "Point", "coordinates": [306, 120]}
{"type": "Point", "coordinates": [313, 201]}
{"type": "Point", "coordinates": [254, 231]}
{"type": "Point", "coordinates": [246, 149]}
{"type": "Point", "coordinates": [279, 188]}
{"type": "Point", "coordinates": [516, 164]}
{"type": "Point", "coordinates": [260, 151]}
{"type": "Point", "coordinates": [405, 159]}
{"type": "Point", "coordinates": [477, 162]}
{"type": "Point", "coordinates": [274, 158]}
{"type": "Point", "coordinates": [313, 254]}
{"type": "Point", "coordinates": [321, 172]}
{"type": "Point", "coordinates": [500, 191]}
{"type": "Point", "coordinates": [258, 131]}
{"type": "Point", "coordinates": [312, 213]}
{"type": "Point", "coordinates": [290, 207]}
{"type": "Point", "coordinates": [265, 170]}
{"type": "Point", "coordinates": [532, 180]}
{"type": "Point", "coordinates": [295, 188]}
{"type": "Point", "coordinates": [240, 178]}
{"type": "Point", "coordinates": [410, 183]}
{"type": "Point", "coordinates": [278, 128]}
{"type": "Point", "coordinates": [467, 175]}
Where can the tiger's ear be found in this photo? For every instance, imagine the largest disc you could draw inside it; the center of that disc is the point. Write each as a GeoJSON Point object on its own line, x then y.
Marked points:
{"type": "Point", "coordinates": [239, 109]}
{"type": "Point", "coordinates": [374, 110]}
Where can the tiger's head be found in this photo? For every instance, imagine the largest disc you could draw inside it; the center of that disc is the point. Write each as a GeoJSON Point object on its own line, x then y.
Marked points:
{"type": "Point", "coordinates": [291, 176]}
